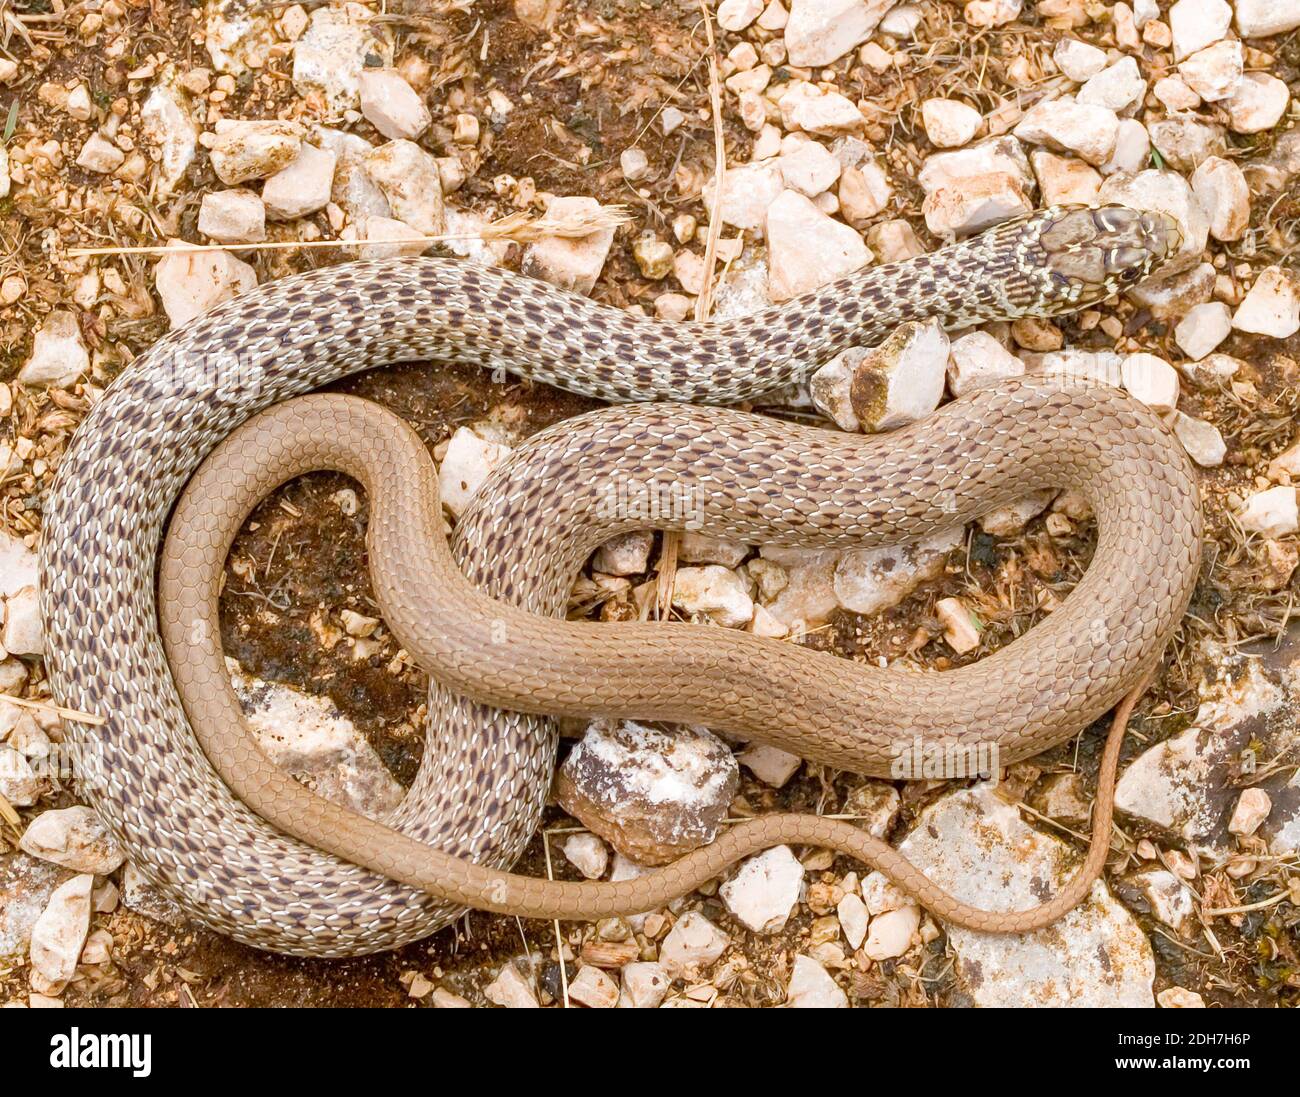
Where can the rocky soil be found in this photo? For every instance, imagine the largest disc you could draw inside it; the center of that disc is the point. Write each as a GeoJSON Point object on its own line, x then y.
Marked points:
{"type": "Point", "coordinates": [579, 143]}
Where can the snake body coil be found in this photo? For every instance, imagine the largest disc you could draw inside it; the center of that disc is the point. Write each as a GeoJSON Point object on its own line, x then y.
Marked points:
{"type": "Point", "coordinates": [486, 770]}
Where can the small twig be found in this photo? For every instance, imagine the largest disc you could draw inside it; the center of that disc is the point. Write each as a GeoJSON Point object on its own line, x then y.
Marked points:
{"type": "Point", "coordinates": [58, 710]}
{"type": "Point", "coordinates": [1271, 901]}
{"type": "Point", "coordinates": [515, 226]}
{"type": "Point", "coordinates": [667, 574]}
{"type": "Point", "coordinates": [704, 303]}
{"type": "Point", "coordinates": [559, 938]}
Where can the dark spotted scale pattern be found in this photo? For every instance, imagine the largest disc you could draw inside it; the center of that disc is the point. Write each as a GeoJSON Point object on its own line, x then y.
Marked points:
{"type": "Point", "coordinates": [230, 869]}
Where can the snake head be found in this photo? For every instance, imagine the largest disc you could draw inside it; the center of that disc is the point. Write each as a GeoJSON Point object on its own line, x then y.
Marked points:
{"type": "Point", "coordinates": [1091, 253]}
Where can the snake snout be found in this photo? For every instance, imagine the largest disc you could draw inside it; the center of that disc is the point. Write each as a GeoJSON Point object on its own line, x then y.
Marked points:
{"type": "Point", "coordinates": [1096, 252]}
{"type": "Point", "coordinates": [1162, 236]}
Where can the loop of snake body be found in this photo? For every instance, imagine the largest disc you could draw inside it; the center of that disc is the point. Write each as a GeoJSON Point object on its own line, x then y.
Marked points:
{"type": "Point", "coordinates": [481, 612]}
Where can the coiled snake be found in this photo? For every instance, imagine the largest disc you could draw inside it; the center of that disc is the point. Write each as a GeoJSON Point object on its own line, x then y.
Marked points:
{"type": "Point", "coordinates": [481, 613]}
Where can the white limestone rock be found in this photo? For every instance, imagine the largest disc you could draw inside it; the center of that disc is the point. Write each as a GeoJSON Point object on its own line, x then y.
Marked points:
{"type": "Point", "coordinates": [714, 592]}
{"type": "Point", "coordinates": [807, 249]}
{"type": "Point", "coordinates": [59, 356]}
{"type": "Point", "coordinates": [241, 150]}
{"type": "Point", "coordinates": [592, 988]}
{"type": "Point", "coordinates": [949, 123]}
{"type": "Point", "coordinates": [977, 360]}
{"type": "Point", "coordinates": [235, 216]}
{"type": "Point", "coordinates": [700, 548]}
{"type": "Point", "coordinates": [391, 105]}
{"type": "Point", "coordinates": [765, 889]}
{"type": "Point", "coordinates": [308, 737]}
{"type": "Point", "coordinates": [1253, 807]}
{"type": "Point", "coordinates": [1215, 72]}
{"type": "Point", "coordinates": [811, 987]}
{"type": "Point", "coordinates": [511, 989]}
{"type": "Point", "coordinates": [644, 986]}
{"type": "Point", "coordinates": [1170, 900]}
{"type": "Point", "coordinates": [626, 554]}
{"type": "Point", "coordinates": [1069, 125]}
{"type": "Point", "coordinates": [991, 13]}
{"type": "Point", "coordinates": [976, 846]}
{"type": "Point", "coordinates": [1078, 367]}
{"type": "Point", "coordinates": [1258, 103]}
{"type": "Point", "coordinates": [891, 933]}
{"type": "Point", "coordinates": [1180, 998]}
{"type": "Point", "coordinates": [808, 166]}
{"type": "Point", "coordinates": [1132, 148]}
{"type": "Point", "coordinates": [168, 128]}
{"type": "Point", "coordinates": [1263, 18]}
{"type": "Point", "coordinates": [960, 630]}
{"type": "Point", "coordinates": [1272, 306]}
{"type": "Point", "coordinates": [771, 765]}
{"type": "Point", "coordinates": [26, 885]}
{"type": "Point", "coordinates": [997, 155]}
{"type": "Point", "coordinates": [1188, 785]}
{"type": "Point", "coordinates": [1077, 60]}
{"type": "Point", "coordinates": [1151, 380]}
{"type": "Point", "coordinates": [588, 854]}
{"type": "Point", "coordinates": [100, 155]}
{"type": "Point", "coordinates": [329, 58]}
{"type": "Point", "coordinates": [854, 918]}
{"type": "Point", "coordinates": [20, 784]}
{"type": "Point", "coordinates": [59, 935]}
{"type": "Point", "coordinates": [191, 282]}
{"type": "Point", "coordinates": [74, 838]}
{"type": "Point", "coordinates": [869, 580]}
{"type": "Point", "coordinates": [354, 190]}
{"type": "Point", "coordinates": [902, 21]}
{"type": "Point", "coordinates": [819, 32]}
{"type": "Point", "coordinates": [145, 898]}
{"type": "Point", "coordinates": [1222, 190]}
{"type": "Point", "coordinates": [863, 192]}
{"type": "Point", "coordinates": [1184, 141]}
{"type": "Point", "coordinates": [302, 186]}
{"type": "Point", "coordinates": [412, 184]}
{"type": "Point", "coordinates": [1271, 512]}
{"type": "Point", "coordinates": [974, 204]}
{"type": "Point", "coordinates": [691, 945]}
{"type": "Point", "coordinates": [747, 191]}
{"type": "Point", "coordinates": [1118, 88]}
{"type": "Point", "coordinates": [736, 15]}
{"type": "Point", "coordinates": [572, 263]}
{"type": "Point", "coordinates": [387, 236]}
{"type": "Point", "coordinates": [237, 37]}
{"type": "Point", "coordinates": [1064, 180]}
{"type": "Point", "coordinates": [466, 464]}
{"type": "Point", "coordinates": [1203, 328]}
{"type": "Point", "coordinates": [1197, 24]}
{"type": "Point", "coordinates": [1202, 441]}
{"type": "Point", "coordinates": [807, 107]}
{"type": "Point", "coordinates": [900, 381]}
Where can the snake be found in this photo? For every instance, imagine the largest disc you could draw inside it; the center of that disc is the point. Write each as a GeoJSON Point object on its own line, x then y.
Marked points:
{"type": "Point", "coordinates": [205, 421]}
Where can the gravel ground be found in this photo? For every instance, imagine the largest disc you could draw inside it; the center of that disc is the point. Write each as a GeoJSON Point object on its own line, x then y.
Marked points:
{"type": "Point", "coordinates": [832, 124]}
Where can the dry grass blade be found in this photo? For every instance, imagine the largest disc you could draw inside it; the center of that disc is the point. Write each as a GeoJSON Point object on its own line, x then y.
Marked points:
{"type": "Point", "coordinates": [523, 229]}
{"type": "Point", "coordinates": [704, 303]}
{"type": "Point", "coordinates": [518, 227]}
{"type": "Point", "coordinates": [58, 710]}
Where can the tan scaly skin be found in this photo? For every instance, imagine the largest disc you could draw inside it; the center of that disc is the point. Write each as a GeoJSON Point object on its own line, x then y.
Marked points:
{"type": "Point", "coordinates": [569, 667]}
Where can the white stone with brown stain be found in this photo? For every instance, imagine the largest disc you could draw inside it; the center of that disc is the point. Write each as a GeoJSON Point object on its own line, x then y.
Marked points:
{"type": "Point", "coordinates": [652, 793]}
{"type": "Point", "coordinates": [976, 846]}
